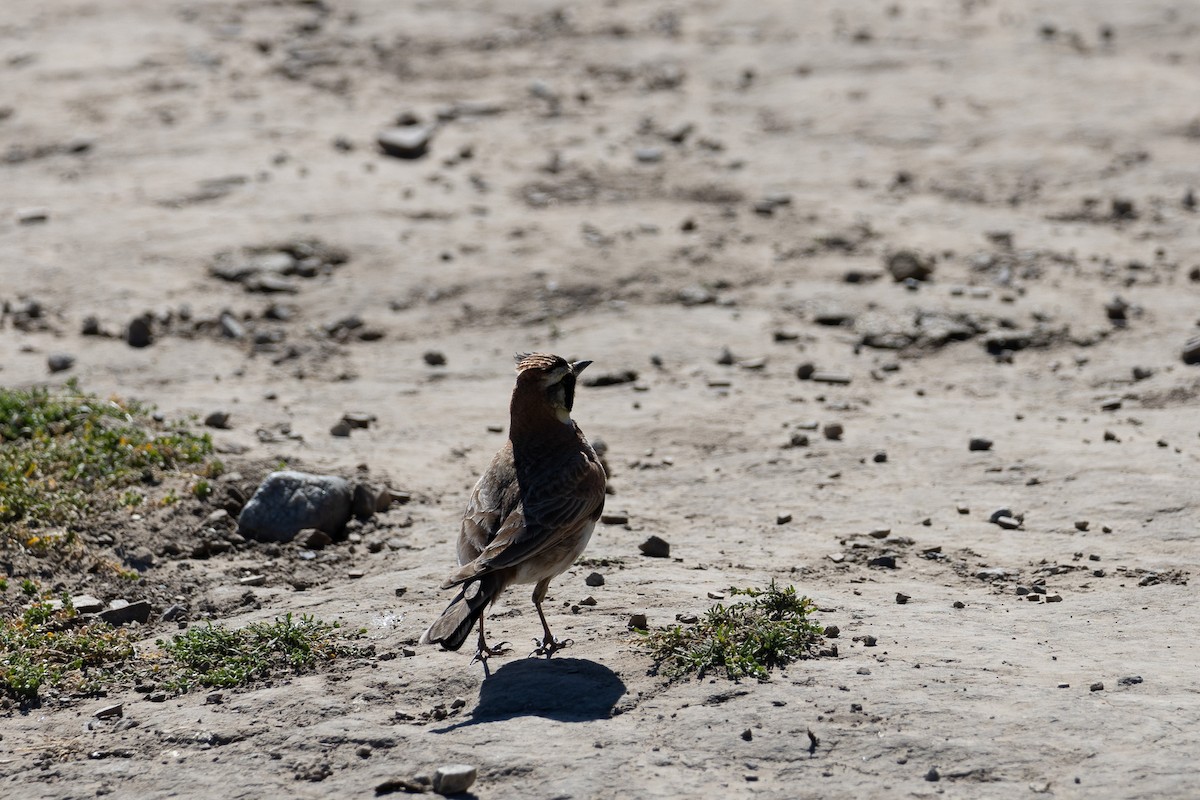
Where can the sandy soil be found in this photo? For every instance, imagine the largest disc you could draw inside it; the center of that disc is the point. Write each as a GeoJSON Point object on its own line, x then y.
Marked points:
{"type": "Point", "coordinates": [647, 186]}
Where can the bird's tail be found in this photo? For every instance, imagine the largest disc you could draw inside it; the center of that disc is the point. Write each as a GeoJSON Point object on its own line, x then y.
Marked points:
{"type": "Point", "coordinates": [451, 629]}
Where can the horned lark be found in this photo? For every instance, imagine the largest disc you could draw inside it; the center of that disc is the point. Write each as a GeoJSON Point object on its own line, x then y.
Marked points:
{"type": "Point", "coordinates": [532, 512]}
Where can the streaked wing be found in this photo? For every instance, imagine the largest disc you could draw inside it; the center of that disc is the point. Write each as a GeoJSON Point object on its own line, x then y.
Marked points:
{"type": "Point", "coordinates": [493, 500]}
{"type": "Point", "coordinates": [550, 516]}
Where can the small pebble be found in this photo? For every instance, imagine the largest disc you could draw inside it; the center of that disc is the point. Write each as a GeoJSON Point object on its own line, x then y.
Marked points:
{"type": "Point", "coordinates": [783, 519]}
{"type": "Point", "coordinates": [434, 358]}
{"type": "Point", "coordinates": [113, 710]}
{"type": "Point", "coordinates": [1081, 524]}
{"type": "Point", "coordinates": [594, 579]}
{"type": "Point", "coordinates": [902, 598]}
{"type": "Point", "coordinates": [340, 428]}
{"type": "Point", "coordinates": [747, 735]}
{"type": "Point", "coordinates": [138, 334]}
{"type": "Point", "coordinates": [60, 362]}
{"type": "Point", "coordinates": [1131, 680]}
{"type": "Point", "coordinates": [833, 431]}
{"type": "Point", "coordinates": [979, 443]}
{"type": "Point", "coordinates": [454, 779]}
{"type": "Point", "coordinates": [1096, 687]}
{"type": "Point", "coordinates": [615, 518]}
{"type": "Point", "coordinates": [217, 419]}
{"type": "Point", "coordinates": [655, 547]}
{"type": "Point", "coordinates": [638, 622]}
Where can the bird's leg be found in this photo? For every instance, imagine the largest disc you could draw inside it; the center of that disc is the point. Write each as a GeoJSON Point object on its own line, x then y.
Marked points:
{"type": "Point", "coordinates": [548, 646]}
{"type": "Point", "coordinates": [483, 651]}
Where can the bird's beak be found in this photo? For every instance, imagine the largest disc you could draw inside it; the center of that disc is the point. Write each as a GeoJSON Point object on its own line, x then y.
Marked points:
{"type": "Point", "coordinates": [579, 366]}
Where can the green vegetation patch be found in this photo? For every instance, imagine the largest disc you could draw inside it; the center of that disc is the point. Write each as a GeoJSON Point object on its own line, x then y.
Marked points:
{"type": "Point", "coordinates": [49, 645]}
{"type": "Point", "coordinates": [748, 639]}
{"type": "Point", "coordinates": [64, 453]}
{"type": "Point", "coordinates": [219, 657]}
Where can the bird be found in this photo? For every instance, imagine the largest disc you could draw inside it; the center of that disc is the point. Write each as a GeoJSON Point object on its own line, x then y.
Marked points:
{"type": "Point", "coordinates": [532, 511]}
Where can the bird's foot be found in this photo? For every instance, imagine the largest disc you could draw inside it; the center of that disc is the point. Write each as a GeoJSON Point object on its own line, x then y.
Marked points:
{"type": "Point", "coordinates": [549, 646]}
{"type": "Point", "coordinates": [484, 652]}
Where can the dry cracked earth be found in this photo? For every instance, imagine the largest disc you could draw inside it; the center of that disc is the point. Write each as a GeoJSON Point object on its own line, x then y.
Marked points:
{"type": "Point", "coordinates": [816, 249]}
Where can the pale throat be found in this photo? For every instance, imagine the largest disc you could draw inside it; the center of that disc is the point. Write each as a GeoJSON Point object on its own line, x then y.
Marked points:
{"type": "Point", "coordinates": [563, 415]}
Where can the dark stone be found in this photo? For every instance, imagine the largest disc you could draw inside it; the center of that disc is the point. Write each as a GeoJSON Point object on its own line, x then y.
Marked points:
{"type": "Point", "coordinates": [655, 547]}
{"type": "Point", "coordinates": [1191, 351]}
{"type": "Point", "coordinates": [217, 419]}
{"type": "Point", "coordinates": [139, 334]}
{"type": "Point", "coordinates": [886, 561]}
{"type": "Point", "coordinates": [287, 502]}
{"type": "Point", "coordinates": [979, 443]}
{"type": "Point", "coordinates": [435, 358]}
{"type": "Point", "coordinates": [909, 264]}
{"type": "Point", "coordinates": [614, 518]}
{"type": "Point", "coordinates": [124, 614]}
{"type": "Point", "coordinates": [612, 378]}
{"type": "Point", "coordinates": [594, 579]}
{"type": "Point", "coordinates": [60, 362]}
{"type": "Point", "coordinates": [313, 539]}
{"type": "Point", "coordinates": [1130, 680]}
{"type": "Point", "coordinates": [365, 502]}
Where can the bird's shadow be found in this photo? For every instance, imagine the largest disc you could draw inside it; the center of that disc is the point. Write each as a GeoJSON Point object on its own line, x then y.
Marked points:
{"type": "Point", "coordinates": [563, 689]}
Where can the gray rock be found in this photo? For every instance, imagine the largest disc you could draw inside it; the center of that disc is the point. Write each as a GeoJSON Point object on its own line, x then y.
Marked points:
{"type": "Point", "coordinates": [614, 518]}
{"type": "Point", "coordinates": [594, 579]}
{"type": "Point", "coordinates": [648, 155]}
{"type": "Point", "coordinates": [453, 779]}
{"type": "Point", "coordinates": [91, 326]}
{"type": "Point", "coordinates": [340, 428]}
{"type": "Point", "coordinates": [174, 612]}
{"type": "Point", "coordinates": [113, 710]}
{"type": "Point", "coordinates": [833, 431]}
{"type": "Point", "coordinates": [121, 613]}
{"type": "Point", "coordinates": [86, 604]}
{"type": "Point", "coordinates": [287, 502]}
{"type": "Point", "coordinates": [32, 216]}
{"type": "Point", "coordinates": [979, 443]}
{"type": "Point", "coordinates": [409, 141]}
{"type": "Point", "coordinates": [139, 334]}
{"type": "Point", "coordinates": [655, 547]}
{"type": "Point", "coordinates": [230, 326]}
{"type": "Point", "coordinates": [60, 362]}
{"type": "Point", "coordinates": [906, 264]}
{"type": "Point", "coordinates": [639, 622]}
{"type": "Point", "coordinates": [996, 573]}
{"type": "Point", "coordinates": [1130, 680]}
{"type": "Point", "coordinates": [434, 358]}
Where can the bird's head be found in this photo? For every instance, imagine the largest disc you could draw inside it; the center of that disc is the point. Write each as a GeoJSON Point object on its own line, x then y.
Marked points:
{"type": "Point", "coordinates": [550, 377]}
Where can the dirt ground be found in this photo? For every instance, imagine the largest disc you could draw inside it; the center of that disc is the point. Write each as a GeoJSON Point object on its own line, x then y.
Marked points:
{"type": "Point", "coordinates": [710, 195]}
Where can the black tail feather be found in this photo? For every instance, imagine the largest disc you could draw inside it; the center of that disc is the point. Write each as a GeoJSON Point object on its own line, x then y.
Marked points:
{"type": "Point", "coordinates": [453, 627]}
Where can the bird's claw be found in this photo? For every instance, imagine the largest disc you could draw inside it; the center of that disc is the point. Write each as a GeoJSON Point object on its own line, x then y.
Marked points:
{"type": "Point", "coordinates": [483, 653]}
{"type": "Point", "coordinates": [549, 646]}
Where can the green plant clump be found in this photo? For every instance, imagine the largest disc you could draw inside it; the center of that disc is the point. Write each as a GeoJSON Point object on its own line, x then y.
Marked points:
{"type": "Point", "coordinates": [62, 452]}
{"type": "Point", "coordinates": [745, 639]}
{"type": "Point", "coordinates": [46, 647]}
{"type": "Point", "coordinates": [218, 657]}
